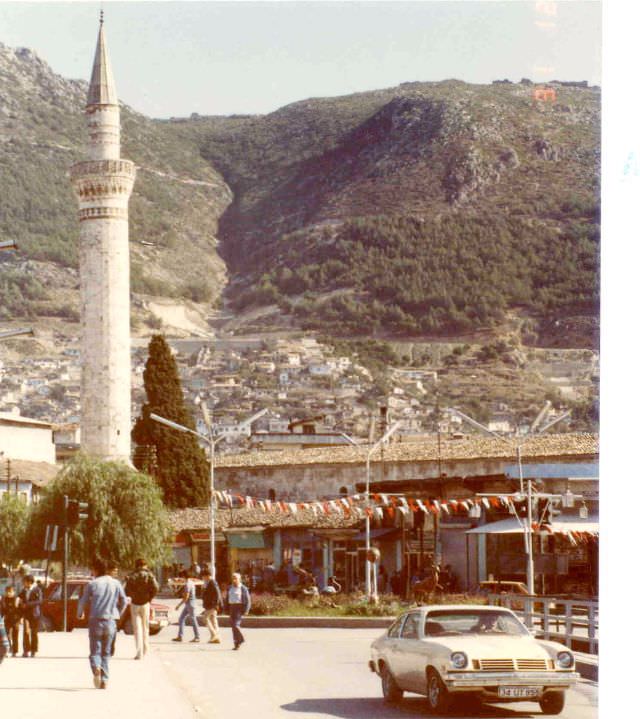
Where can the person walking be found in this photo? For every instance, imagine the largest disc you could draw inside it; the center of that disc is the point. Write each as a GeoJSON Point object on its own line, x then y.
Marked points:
{"type": "Point", "coordinates": [142, 587]}
{"type": "Point", "coordinates": [238, 603]}
{"type": "Point", "coordinates": [4, 641]}
{"type": "Point", "coordinates": [11, 612]}
{"type": "Point", "coordinates": [104, 600]}
{"type": "Point", "coordinates": [31, 609]}
{"type": "Point", "coordinates": [212, 603]}
{"type": "Point", "coordinates": [189, 611]}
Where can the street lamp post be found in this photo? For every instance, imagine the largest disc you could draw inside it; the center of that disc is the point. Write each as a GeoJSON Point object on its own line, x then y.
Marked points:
{"type": "Point", "coordinates": [211, 441]}
{"type": "Point", "coordinates": [372, 594]}
{"type": "Point", "coordinates": [528, 529]}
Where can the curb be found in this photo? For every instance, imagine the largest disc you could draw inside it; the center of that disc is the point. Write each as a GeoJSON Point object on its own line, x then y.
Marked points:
{"type": "Point", "coordinates": [311, 622]}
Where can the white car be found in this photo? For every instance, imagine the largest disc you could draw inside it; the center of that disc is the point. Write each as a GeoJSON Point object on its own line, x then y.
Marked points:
{"type": "Point", "coordinates": [477, 653]}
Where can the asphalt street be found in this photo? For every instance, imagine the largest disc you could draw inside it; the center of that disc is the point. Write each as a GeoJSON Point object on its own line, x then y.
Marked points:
{"type": "Point", "coordinates": [307, 673]}
{"type": "Point", "coordinates": [285, 673]}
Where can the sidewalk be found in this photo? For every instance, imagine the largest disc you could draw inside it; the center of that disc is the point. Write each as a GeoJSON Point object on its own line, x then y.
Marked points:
{"type": "Point", "coordinates": [58, 682]}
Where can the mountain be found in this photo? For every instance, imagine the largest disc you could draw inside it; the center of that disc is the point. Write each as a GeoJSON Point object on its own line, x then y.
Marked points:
{"type": "Point", "coordinates": [178, 198]}
{"type": "Point", "coordinates": [424, 210]}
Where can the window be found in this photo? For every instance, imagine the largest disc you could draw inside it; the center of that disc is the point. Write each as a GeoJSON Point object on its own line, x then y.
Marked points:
{"type": "Point", "coordinates": [394, 629]}
{"type": "Point", "coordinates": [272, 495]}
{"type": "Point", "coordinates": [473, 622]}
{"type": "Point", "coordinates": [410, 628]}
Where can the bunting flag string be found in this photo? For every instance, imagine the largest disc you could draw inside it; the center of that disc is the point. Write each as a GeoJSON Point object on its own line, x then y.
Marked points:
{"type": "Point", "coordinates": [382, 504]}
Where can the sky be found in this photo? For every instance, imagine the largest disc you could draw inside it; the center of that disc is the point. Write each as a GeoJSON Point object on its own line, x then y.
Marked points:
{"type": "Point", "coordinates": [176, 58]}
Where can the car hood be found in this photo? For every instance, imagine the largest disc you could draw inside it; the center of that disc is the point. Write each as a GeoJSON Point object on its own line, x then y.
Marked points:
{"type": "Point", "coordinates": [493, 647]}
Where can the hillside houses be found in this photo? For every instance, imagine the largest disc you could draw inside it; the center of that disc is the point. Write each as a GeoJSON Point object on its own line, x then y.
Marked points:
{"type": "Point", "coordinates": [292, 378]}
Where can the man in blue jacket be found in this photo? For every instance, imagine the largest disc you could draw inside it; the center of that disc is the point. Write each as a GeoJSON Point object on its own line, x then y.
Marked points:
{"type": "Point", "coordinates": [238, 603]}
{"type": "Point", "coordinates": [105, 600]}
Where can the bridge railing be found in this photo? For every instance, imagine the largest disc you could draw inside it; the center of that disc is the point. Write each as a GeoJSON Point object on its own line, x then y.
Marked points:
{"type": "Point", "coordinates": [574, 622]}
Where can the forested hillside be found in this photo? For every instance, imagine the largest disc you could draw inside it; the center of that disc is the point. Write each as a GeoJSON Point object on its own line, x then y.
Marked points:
{"type": "Point", "coordinates": [427, 208]}
{"type": "Point", "coordinates": [174, 210]}
{"type": "Point", "coordinates": [422, 210]}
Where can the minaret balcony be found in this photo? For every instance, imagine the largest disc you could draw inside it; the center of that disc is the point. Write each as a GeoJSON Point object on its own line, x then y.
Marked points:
{"type": "Point", "coordinates": [103, 168]}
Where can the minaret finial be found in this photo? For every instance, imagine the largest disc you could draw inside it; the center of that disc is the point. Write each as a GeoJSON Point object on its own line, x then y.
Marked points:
{"type": "Point", "coordinates": [101, 17]}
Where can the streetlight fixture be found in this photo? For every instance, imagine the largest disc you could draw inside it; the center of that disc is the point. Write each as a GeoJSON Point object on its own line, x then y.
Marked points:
{"type": "Point", "coordinates": [5, 334]}
{"type": "Point", "coordinates": [212, 441]}
{"type": "Point", "coordinates": [372, 594]}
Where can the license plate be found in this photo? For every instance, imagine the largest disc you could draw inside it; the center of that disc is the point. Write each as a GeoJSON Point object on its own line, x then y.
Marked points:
{"type": "Point", "coordinates": [518, 692]}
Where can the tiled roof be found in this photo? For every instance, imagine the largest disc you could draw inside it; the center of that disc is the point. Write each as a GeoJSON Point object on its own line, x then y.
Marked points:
{"type": "Point", "coordinates": [197, 518]}
{"type": "Point", "coordinates": [38, 473]}
{"type": "Point", "coordinates": [540, 447]}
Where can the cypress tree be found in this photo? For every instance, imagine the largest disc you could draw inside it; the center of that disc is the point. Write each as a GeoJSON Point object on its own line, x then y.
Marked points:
{"type": "Point", "coordinates": [181, 467]}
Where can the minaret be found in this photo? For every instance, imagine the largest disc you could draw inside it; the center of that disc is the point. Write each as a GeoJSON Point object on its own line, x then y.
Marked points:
{"type": "Point", "coordinates": [103, 185]}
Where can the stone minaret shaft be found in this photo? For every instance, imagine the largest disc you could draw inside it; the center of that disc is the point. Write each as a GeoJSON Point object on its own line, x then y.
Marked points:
{"type": "Point", "coordinates": [103, 185]}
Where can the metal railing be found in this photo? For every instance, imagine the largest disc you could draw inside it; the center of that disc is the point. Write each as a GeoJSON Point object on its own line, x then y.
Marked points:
{"type": "Point", "coordinates": [573, 622]}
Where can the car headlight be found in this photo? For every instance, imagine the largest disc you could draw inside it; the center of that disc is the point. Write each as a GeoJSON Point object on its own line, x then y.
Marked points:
{"type": "Point", "coordinates": [564, 660]}
{"type": "Point", "coordinates": [459, 660]}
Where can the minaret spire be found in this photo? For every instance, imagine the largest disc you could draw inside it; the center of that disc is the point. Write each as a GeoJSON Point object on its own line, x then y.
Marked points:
{"type": "Point", "coordinates": [102, 88]}
{"type": "Point", "coordinates": [103, 184]}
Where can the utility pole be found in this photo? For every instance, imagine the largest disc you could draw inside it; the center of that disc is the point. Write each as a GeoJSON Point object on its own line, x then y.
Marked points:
{"type": "Point", "coordinates": [65, 553]}
{"type": "Point", "coordinates": [74, 512]}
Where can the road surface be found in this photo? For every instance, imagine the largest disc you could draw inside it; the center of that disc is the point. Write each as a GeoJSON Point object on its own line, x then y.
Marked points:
{"type": "Point", "coordinates": [307, 674]}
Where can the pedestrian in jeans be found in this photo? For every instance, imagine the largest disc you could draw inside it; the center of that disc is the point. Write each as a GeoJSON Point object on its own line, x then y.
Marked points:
{"type": "Point", "coordinates": [189, 611]}
{"type": "Point", "coordinates": [238, 603]}
{"type": "Point", "coordinates": [31, 608]}
{"type": "Point", "coordinates": [11, 613]}
{"type": "Point", "coordinates": [105, 600]}
{"type": "Point", "coordinates": [212, 603]}
{"type": "Point", "coordinates": [142, 587]}
{"type": "Point", "coordinates": [4, 641]}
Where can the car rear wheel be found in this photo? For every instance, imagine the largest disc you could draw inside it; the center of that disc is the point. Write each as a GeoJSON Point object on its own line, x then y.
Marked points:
{"type": "Point", "coordinates": [390, 690]}
{"type": "Point", "coordinates": [438, 696]}
{"type": "Point", "coordinates": [552, 702]}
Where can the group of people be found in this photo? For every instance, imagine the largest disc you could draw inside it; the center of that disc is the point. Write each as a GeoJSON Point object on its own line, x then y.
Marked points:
{"type": "Point", "coordinates": [237, 603]}
{"type": "Point", "coordinates": [20, 608]}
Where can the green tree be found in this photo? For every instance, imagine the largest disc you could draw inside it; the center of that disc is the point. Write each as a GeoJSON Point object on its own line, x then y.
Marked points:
{"type": "Point", "coordinates": [14, 516]}
{"type": "Point", "coordinates": [127, 518]}
{"type": "Point", "coordinates": [182, 468]}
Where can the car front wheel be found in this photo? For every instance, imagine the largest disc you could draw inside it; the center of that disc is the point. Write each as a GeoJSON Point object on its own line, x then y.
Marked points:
{"type": "Point", "coordinates": [438, 696]}
{"type": "Point", "coordinates": [552, 702]}
{"type": "Point", "coordinates": [390, 690]}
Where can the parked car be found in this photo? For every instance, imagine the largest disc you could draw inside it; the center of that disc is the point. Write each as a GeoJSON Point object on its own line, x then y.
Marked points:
{"type": "Point", "coordinates": [473, 652]}
{"type": "Point", "coordinates": [53, 612]}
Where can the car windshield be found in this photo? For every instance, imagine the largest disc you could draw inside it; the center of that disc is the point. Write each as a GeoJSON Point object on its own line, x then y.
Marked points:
{"type": "Point", "coordinates": [439, 623]}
